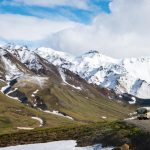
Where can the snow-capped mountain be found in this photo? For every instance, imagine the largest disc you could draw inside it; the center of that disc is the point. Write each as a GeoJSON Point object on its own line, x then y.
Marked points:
{"type": "Point", "coordinates": [10, 66]}
{"type": "Point", "coordinates": [24, 55]}
{"type": "Point", "coordinates": [130, 75]}
{"type": "Point", "coordinates": [21, 66]}
{"type": "Point", "coordinates": [29, 59]}
{"type": "Point", "coordinates": [56, 57]}
{"type": "Point", "coordinates": [31, 87]}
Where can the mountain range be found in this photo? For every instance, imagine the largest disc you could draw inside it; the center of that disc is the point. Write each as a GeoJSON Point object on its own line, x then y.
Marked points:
{"type": "Point", "coordinates": [54, 89]}
{"type": "Point", "coordinates": [64, 89]}
{"type": "Point", "coordinates": [129, 75]}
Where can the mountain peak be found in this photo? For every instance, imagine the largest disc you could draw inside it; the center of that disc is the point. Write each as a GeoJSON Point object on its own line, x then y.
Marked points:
{"type": "Point", "coordinates": [11, 46]}
{"type": "Point", "coordinates": [92, 52]}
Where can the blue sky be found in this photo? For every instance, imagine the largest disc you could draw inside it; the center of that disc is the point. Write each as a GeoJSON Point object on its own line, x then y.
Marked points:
{"type": "Point", "coordinates": [56, 11]}
{"type": "Point", "coordinates": [113, 27]}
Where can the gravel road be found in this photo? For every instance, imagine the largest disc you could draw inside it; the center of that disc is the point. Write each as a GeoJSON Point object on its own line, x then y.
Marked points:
{"type": "Point", "coordinates": [143, 124]}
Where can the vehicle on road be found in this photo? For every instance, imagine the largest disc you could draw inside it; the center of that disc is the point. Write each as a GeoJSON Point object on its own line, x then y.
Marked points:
{"type": "Point", "coordinates": [143, 113]}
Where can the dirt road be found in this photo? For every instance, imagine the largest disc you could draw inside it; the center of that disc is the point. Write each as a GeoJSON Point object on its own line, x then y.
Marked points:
{"type": "Point", "coordinates": [143, 124]}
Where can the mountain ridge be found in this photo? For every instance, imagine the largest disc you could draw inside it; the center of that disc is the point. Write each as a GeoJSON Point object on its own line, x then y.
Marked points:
{"type": "Point", "coordinates": [128, 75]}
{"type": "Point", "coordinates": [121, 75]}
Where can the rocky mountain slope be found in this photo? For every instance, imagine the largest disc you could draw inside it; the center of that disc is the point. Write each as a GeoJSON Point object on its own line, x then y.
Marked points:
{"type": "Point", "coordinates": [130, 75]}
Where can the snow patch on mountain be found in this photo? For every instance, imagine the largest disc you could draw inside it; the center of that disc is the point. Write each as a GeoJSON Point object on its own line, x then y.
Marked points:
{"type": "Point", "coordinates": [64, 80]}
{"type": "Point", "coordinates": [41, 81]}
{"type": "Point", "coordinates": [7, 89]}
{"type": "Point", "coordinates": [36, 91]}
{"type": "Point", "coordinates": [10, 68]}
{"type": "Point", "coordinates": [38, 119]}
{"type": "Point", "coordinates": [12, 91]}
{"type": "Point", "coordinates": [25, 128]}
{"type": "Point", "coordinates": [133, 100]}
{"type": "Point", "coordinates": [55, 112]}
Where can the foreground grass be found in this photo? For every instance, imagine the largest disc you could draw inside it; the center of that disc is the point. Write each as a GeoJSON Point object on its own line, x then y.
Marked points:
{"type": "Point", "coordinates": [107, 133]}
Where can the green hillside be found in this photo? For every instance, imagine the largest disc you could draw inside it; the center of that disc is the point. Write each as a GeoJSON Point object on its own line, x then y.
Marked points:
{"type": "Point", "coordinates": [87, 105]}
{"type": "Point", "coordinates": [13, 114]}
{"type": "Point", "coordinates": [83, 107]}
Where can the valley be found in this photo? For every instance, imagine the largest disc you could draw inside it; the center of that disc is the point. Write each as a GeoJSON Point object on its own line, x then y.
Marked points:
{"type": "Point", "coordinates": [43, 93]}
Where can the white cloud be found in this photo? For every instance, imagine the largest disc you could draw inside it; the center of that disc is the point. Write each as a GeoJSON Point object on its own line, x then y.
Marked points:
{"type": "Point", "coordinates": [124, 32]}
{"type": "Point", "coordinates": [80, 4]}
{"type": "Point", "coordinates": [18, 27]}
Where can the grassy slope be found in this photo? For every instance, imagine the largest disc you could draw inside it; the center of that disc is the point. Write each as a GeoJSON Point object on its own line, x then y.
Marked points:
{"type": "Point", "coordinates": [83, 107]}
{"type": "Point", "coordinates": [14, 114]}
{"type": "Point", "coordinates": [88, 109]}
{"type": "Point", "coordinates": [2, 84]}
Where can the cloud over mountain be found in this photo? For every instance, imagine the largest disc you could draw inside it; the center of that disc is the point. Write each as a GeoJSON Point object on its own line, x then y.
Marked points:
{"type": "Point", "coordinates": [123, 32]}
